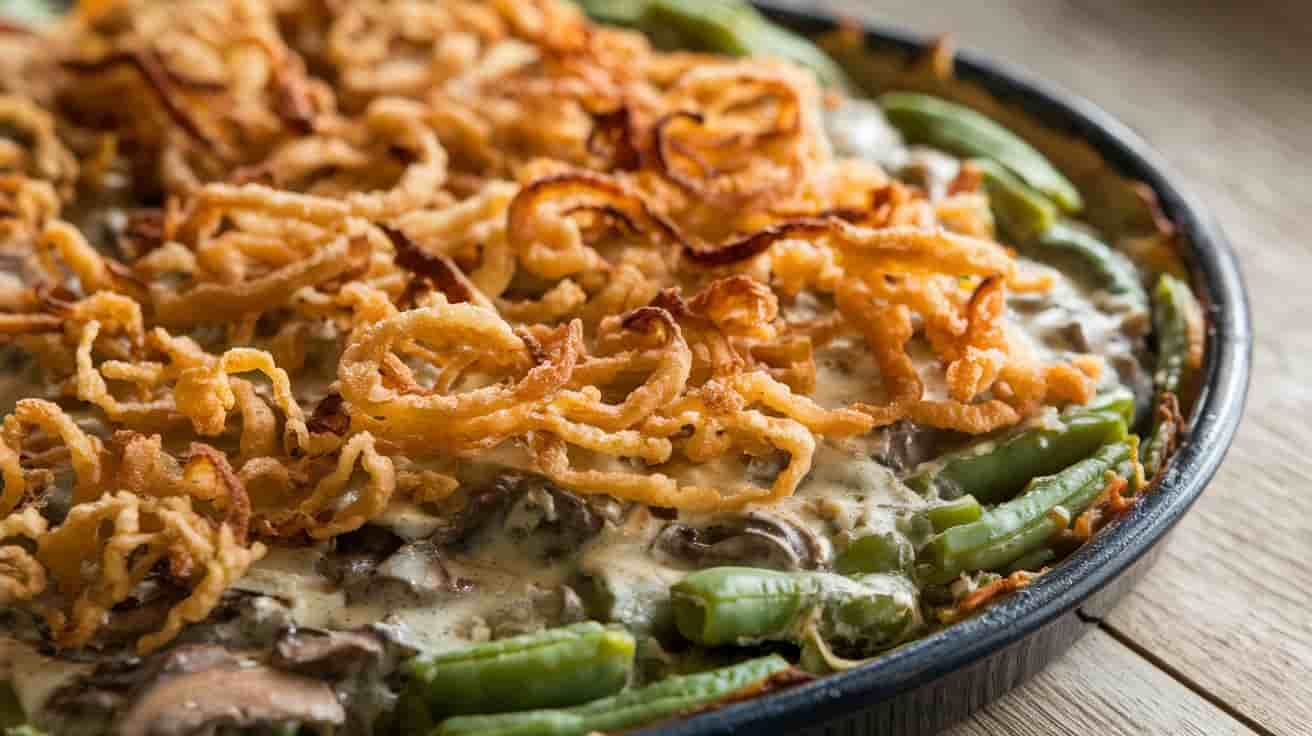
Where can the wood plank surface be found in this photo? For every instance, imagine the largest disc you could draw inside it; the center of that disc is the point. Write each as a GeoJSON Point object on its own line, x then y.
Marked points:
{"type": "Point", "coordinates": [1101, 687]}
{"type": "Point", "coordinates": [1222, 90]}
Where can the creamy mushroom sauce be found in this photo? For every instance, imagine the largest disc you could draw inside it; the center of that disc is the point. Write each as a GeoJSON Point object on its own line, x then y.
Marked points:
{"type": "Point", "coordinates": [497, 578]}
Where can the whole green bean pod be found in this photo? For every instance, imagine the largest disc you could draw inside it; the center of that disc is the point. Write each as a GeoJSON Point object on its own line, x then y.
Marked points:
{"type": "Point", "coordinates": [1177, 323]}
{"type": "Point", "coordinates": [1175, 314]}
{"type": "Point", "coordinates": [1020, 211]}
{"type": "Point", "coordinates": [1110, 270]}
{"type": "Point", "coordinates": [996, 470]}
{"type": "Point", "coordinates": [741, 605]}
{"type": "Point", "coordinates": [665, 699]}
{"type": "Point", "coordinates": [1013, 529]}
{"type": "Point", "coordinates": [1031, 221]}
{"type": "Point", "coordinates": [731, 27]}
{"type": "Point", "coordinates": [961, 131]}
{"type": "Point", "coordinates": [556, 667]}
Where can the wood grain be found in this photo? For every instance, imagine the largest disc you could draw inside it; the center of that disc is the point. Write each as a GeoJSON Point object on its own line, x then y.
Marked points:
{"type": "Point", "coordinates": [1221, 90]}
{"type": "Point", "coordinates": [1101, 687]}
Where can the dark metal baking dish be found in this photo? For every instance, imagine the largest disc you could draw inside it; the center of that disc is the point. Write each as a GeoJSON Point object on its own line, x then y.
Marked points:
{"type": "Point", "coordinates": [928, 684]}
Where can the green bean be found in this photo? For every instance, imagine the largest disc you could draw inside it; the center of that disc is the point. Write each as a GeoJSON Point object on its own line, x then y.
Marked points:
{"type": "Point", "coordinates": [962, 131]}
{"type": "Point", "coordinates": [614, 12]}
{"type": "Point", "coordinates": [771, 39]}
{"type": "Point", "coordinates": [1021, 212]}
{"type": "Point", "coordinates": [1027, 218]}
{"type": "Point", "coordinates": [885, 551]}
{"type": "Point", "coordinates": [556, 667]}
{"type": "Point", "coordinates": [1007, 532]}
{"type": "Point", "coordinates": [1111, 270]}
{"type": "Point", "coordinates": [24, 730]}
{"type": "Point", "coordinates": [731, 27]}
{"type": "Point", "coordinates": [959, 511]}
{"type": "Point", "coordinates": [665, 699]}
{"type": "Point", "coordinates": [740, 605]}
{"type": "Point", "coordinates": [996, 470]}
{"type": "Point", "coordinates": [1174, 306]}
{"type": "Point", "coordinates": [1032, 561]}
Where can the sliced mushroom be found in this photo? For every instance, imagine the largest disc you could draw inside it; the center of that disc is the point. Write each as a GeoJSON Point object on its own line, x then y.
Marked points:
{"type": "Point", "coordinates": [358, 663]}
{"type": "Point", "coordinates": [544, 608]}
{"type": "Point", "coordinates": [331, 654]}
{"type": "Point", "coordinates": [418, 568]}
{"type": "Point", "coordinates": [189, 689]}
{"type": "Point", "coordinates": [756, 538]}
{"type": "Point", "coordinates": [480, 508]}
{"type": "Point", "coordinates": [356, 555]}
{"type": "Point", "coordinates": [201, 689]}
{"type": "Point", "coordinates": [557, 521]}
{"type": "Point", "coordinates": [904, 445]}
{"type": "Point", "coordinates": [242, 620]}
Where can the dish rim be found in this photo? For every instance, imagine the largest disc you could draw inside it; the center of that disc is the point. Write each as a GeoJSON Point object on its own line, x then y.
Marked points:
{"type": "Point", "coordinates": [1216, 418]}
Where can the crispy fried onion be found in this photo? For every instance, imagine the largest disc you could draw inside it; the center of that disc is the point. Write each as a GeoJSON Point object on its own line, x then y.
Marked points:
{"type": "Point", "coordinates": [635, 273]}
{"type": "Point", "coordinates": [104, 548]}
{"type": "Point", "coordinates": [36, 149]}
{"type": "Point", "coordinates": [335, 506]}
{"type": "Point", "coordinates": [465, 337]}
{"type": "Point", "coordinates": [218, 302]}
{"type": "Point", "coordinates": [36, 426]}
{"type": "Point", "coordinates": [739, 132]}
{"type": "Point", "coordinates": [395, 129]}
{"type": "Point", "coordinates": [543, 227]}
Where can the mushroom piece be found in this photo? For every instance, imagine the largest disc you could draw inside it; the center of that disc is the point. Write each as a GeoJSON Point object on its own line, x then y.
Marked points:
{"type": "Point", "coordinates": [323, 653]}
{"type": "Point", "coordinates": [355, 555]}
{"type": "Point", "coordinates": [373, 560]}
{"type": "Point", "coordinates": [242, 620]}
{"type": "Point", "coordinates": [557, 521]}
{"type": "Point", "coordinates": [903, 445]}
{"type": "Point", "coordinates": [358, 663]}
{"type": "Point", "coordinates": [417, 567]}
{"type": "Point", "coordinates": [197, 689]}
{"type": "Point", "coordinates": [479, 509]}
{"type": "Point", "coordinates": [756, 538]}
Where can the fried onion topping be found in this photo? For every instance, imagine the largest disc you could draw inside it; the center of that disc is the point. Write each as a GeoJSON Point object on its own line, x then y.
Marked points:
{"type": "Point", "coordinates": [281, 264]}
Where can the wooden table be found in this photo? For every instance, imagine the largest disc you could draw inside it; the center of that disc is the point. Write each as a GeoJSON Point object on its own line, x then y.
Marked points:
{"type": "Point", "coordinates": [1218, 639]}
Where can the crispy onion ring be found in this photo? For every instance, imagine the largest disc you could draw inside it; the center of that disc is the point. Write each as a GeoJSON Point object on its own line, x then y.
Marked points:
{"type": "Point", "coordinates": [84, 449]}
{"type": "Point", "coordinates": [49, 159]}
{"type": "Point", "coordinates": [726, 154]}
{"type": "Point", "coordinates": [551, 244]}
{"type": "Point", "coordinates": [124, 536]}
{"type": "Point", "coordinates": [213, 302]}
{"type": "Point", "coordinates": [369, 502]}
{"type": "Point", "coordinates": [479, 417]}
{"type": "Point", "coordinates": [486, 216]}
{"type": "Point", "coordinates": [666, 382]}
